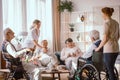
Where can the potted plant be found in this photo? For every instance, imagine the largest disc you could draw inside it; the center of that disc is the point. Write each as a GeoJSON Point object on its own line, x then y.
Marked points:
{"type": "Point", "coordinates": [71, 27]}
{"type": "Point", "coordinates": [65, 5]}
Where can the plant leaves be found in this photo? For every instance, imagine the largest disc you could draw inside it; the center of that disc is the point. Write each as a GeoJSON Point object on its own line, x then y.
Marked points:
{"type": "Point", "coordinates": [65, 5]}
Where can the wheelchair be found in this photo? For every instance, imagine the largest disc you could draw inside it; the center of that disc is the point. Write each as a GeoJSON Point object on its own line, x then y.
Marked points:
{"type": "Point", "coordinates": [16, 68]}
{"type": "Point", "coordinates": [92, 70]}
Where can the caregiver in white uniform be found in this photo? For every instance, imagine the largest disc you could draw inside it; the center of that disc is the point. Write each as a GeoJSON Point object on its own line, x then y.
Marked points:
{"type": "Point", "coordinates": [32, 39]}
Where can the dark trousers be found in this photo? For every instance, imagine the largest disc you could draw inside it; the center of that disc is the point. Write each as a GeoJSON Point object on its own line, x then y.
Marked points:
{"type": "Point", "coordinates": [109, 60]}
{"type": "Point", "coordinates": [58, 57]}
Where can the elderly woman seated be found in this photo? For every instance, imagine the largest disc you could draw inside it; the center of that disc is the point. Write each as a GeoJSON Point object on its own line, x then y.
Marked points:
{"type": "Point", "coordinates": [9, 48]}
{"type": "Point", "coordinates": [43, 57]}
{"type": "Point", "coordinates": [95, 38]}
{"type": "Point", "coordinates": [69, 53]}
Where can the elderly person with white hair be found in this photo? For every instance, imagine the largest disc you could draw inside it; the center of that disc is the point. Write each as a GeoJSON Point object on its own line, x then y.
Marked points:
{"type": "Point", "coordinates": [95, 38]}
{"type": "Point", "coordinates": [9, 49]}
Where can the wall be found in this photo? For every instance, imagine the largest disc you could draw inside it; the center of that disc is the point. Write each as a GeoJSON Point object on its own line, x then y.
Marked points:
{"type": "Point", "coordinates": [87, 5]}
{"type": "Point", "coordinates": [95, 6]}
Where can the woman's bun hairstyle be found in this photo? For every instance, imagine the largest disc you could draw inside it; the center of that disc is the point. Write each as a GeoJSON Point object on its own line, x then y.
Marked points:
{"type": "Point", "coordinates": [112, 10]}
{"type": "Point", "coordinates": [107, 10]}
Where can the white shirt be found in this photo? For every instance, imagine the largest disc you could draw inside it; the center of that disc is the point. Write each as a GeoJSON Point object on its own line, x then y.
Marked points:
{"type": "Point", "coordinates": [69, 51]}
{"type": "Point", "coordinates": [17, 44]}
{"type": "Point", "coordinates": [12, 51]}
{"type": "Point", "coordinates": [89, 52]}
{"type": "Point", "coordinates": [45, 58]}
{"type": "Point", "coordinates": [32, 35]}
{"type": "Point", "coordinates": [39, 50]}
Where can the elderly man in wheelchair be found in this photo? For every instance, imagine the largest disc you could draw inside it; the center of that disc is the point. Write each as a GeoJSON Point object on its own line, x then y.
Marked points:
{"type": "Point", "coordinates": [90, 65]}
{"type": "Point", "coordinates": [13, 59]}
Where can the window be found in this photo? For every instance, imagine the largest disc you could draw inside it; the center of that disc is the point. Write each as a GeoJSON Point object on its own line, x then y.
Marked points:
{"type": "Point", "coordinates": [19, 15]}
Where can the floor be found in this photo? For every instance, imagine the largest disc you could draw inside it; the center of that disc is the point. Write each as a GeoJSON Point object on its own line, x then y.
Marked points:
{"type": "Point", "coordinates": [1, 77]}
{"type": "Point", "coordinates": [64, 76]}
{"type": "Point", "coordinates": [47, 77]}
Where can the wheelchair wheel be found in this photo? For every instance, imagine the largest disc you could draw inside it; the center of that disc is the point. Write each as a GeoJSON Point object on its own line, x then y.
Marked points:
{"type": "Point", "coordinates": [87, 72]}
{"type": "Point", "coordinates": [105, 75]}
{"type": "Point", "coordinates": [116, 73]}
{"type": "Point", "coordinates": [26, 76]}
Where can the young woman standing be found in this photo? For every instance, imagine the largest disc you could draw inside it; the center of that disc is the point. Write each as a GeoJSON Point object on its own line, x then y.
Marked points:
{"type": "Point", "coordinates": [32, 39]}
{"type": "Point", "coordinates": [110, 41]}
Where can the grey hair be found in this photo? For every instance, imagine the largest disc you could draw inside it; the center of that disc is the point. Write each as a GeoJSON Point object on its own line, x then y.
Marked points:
{"type": "Point", "coordinates": [6, 32]}
{"type": "Point", "coordinates": [94, 34]}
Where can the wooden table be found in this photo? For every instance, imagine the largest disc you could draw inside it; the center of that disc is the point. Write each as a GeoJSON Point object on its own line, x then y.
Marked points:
{"type": "Point", "coordinates": [6, 72]}
{"type": "Point", "coordinates": [56, 72]}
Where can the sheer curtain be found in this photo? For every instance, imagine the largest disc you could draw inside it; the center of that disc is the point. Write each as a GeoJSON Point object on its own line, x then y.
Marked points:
{"type": "Point", "coordinates": [42, 10]}
{"type": "Point", "coordinates": [12, 14]}
{"type": "Point", "coordinates": [19, 15]}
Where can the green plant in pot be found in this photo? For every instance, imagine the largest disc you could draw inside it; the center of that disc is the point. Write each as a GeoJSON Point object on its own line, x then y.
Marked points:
{"type": "Point", "coordinates": [65, 5]}
{"type": "Point", "coordinates": [71, 25]}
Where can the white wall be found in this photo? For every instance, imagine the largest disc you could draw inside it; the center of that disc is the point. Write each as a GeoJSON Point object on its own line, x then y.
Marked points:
{"type": "Point", "coordinates": [87, 5]}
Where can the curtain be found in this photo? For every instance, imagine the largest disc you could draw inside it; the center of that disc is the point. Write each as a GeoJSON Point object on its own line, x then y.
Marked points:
{"type": "Point", "coordinates": [1, 24]}
{"type": "Point", "coordinates": [56, 26]}
{"type": "Point", "coordinates": [12, 14]}
{"type": "Point", "coordinates": [1, 33]}
{"type": "Point", "coordinates": [41, 10]}
{"type": "Point", "coordinates": [19, 15]}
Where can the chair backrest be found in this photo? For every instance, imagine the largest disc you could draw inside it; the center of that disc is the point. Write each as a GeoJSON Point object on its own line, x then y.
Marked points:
{"type": "Point", "coordinates": [97, 44]}
{"type": "Point", "coordinates": [97, 57]}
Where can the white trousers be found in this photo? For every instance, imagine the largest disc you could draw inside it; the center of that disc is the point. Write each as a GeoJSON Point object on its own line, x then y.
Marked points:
{"type": "Point", "coordinates": [32, 70]}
